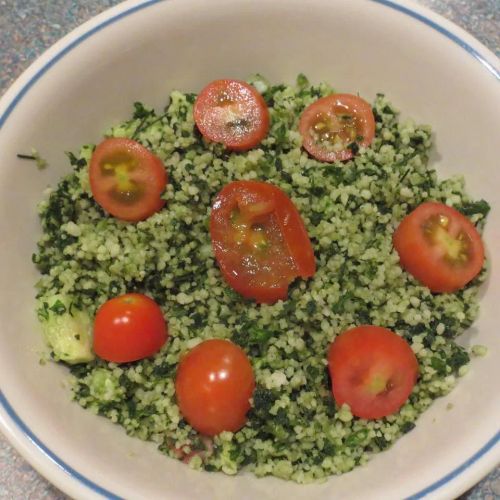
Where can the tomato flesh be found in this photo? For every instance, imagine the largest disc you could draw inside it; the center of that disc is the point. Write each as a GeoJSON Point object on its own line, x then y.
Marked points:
{"type": "Point", "coordinates": [213, 385]}
{"type": "Point", "coordinates": [439, 247]}
{"type": "Point", "coordinates": [334, 126]}
{"type": "Point", "coordinates": [373, 370]}
{"type": "Point", "coordinates": [128, 328]}
{"type": "Point", "coordinates": [126, 179]}
{"type": "Point", "coordinates": [259, 240]}
{"type": "Point", "coordinates": [233, 113]}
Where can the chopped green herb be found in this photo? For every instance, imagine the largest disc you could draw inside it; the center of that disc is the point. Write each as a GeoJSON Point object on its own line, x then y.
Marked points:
{"type": "Point", "coordinates": [34, 156]}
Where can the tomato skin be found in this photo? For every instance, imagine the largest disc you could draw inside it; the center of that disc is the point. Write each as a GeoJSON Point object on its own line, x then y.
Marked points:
{"type": "Point", "coordinates": [261, 275]}
{"type": "Point", "coordinates": [372, 369]}
{"type": "Point", "coordinates": [221, 104]}
{"type": "Point", "coordinates": [128, 328]}
{"type": "Point", "coordinates": [426, 261]}
{"type": "Point", "coordinates": [131, 188]}
{"type": "Point", "coordinates": [331, 107]}
{"type": "Point", "coordinates": [213, 385]}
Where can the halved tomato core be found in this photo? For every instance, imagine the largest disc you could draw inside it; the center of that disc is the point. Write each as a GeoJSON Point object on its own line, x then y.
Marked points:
{"type": "Point", "coordinates": [250, 222]}
{"type": "Point", "coordinates": [379, 385]}
{"type": "Point", "coordinates": [230, 112]}
{"type": "Point", "coordinates": [121, 167]}
{"type": "Point", "coordinates": [335, 131]}
{"type": "Point", "coordinates": [456, 247]}
{"type": "Point", "coordinates": [224, 99]}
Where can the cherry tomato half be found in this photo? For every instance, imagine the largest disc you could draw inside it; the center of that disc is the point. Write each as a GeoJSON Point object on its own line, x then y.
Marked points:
{"type": "Point", "coordinates": [233, 113]}
{"type": "Point", "coordinates": [373, 370]}
{"type": "Point", "coordinates": [214, 384]}
{"type": "Point", "coordinates": [332, 125]}
{"type": "Point", "coordinates": [439, 246]}
{"type": "Point", "coordinates": [126, 179]}
{"type": "Point", "coordinates": [259, 240]}
{"type": "Point", "coordinates": [128, 328]}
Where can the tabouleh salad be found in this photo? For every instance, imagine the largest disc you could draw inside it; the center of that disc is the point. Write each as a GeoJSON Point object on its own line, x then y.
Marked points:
{"type": "Point", "coordinates": [268, 277]}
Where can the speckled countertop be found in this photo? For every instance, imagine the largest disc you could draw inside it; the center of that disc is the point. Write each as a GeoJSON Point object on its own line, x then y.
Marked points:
{"type": "Point", "coordinates": [28, 27]}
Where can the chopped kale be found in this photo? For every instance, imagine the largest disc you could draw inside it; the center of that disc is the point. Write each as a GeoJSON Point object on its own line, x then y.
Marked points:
{"type": "Point", "coordinates": [43, 311]}
{"type": "Point", "coordinates": [459, 358]}
{"type": "Point", "coordinates": [58, 307]}
{"type": "Point", "coordinates": [190, 98]}
{"type": "Point", "coordinates": [140, 111]}
{"type": "Point", "coordinates": [163, 370]}
{"type": "Point", "coordinates": [354, 147]}
{"type": "Point", "coordinates": [407, 427]}
{"type": "Point", "coordinates": [263, 400]}
{"type": "Point", "coordinates": [381, 442]}
{"type": "Point", "coordinates": [311, 307]}
{"type": "Point", "coordinates": [481, 207]}
{"type": "Point", "coordinates": [439, 365]}
{"type": "Point", "coordinates": [357, 438]}
{"type": "Point", "coordinates": [81, 370]}
{"type": "Point", "coordinates": [78, 163]}
{"type": "Point", "coordinates": [302, 81]}
{"type": "Point", "coordinates": [253, 337]}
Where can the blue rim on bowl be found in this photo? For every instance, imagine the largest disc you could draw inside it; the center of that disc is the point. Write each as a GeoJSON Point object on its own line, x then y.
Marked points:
{"type": "Point", "coordinates": [19, 423]}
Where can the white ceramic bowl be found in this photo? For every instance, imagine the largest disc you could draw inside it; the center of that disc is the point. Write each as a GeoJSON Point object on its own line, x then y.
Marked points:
{"type": "Point", "coordinates": [428, 67]}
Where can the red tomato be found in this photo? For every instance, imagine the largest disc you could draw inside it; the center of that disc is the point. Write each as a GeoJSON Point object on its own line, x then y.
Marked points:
{"type": "Point", "coordinates": [233, 113]}
{"type": "Point", "coordinates": [439, 246]}
{"type": "Point", "coordinates": [128, 328]}
{"type": "Point", "coordinates": [330, 125]}
{"type": "Point", "coordinates": [126, 179]}
{"type": "Point", "coordinates": [373, 370]}
{"type": "Point", "coordinates": [214, 384]}
{"type": "Point", "coordinates": [259, 240]}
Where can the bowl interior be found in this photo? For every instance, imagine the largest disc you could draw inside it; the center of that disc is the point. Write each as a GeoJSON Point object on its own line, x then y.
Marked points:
{"type": "Point", "coordinates": [358, 46]}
